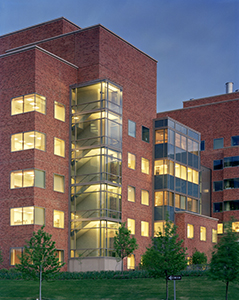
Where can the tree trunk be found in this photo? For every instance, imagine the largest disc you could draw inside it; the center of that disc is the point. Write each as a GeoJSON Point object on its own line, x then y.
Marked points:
{"type": "Point", "coordinates": [227, 284]}
{"type": "Point", "coordinates": [122, 266]}
{"type": "Point", "coordinates": [166, 288]}
{"type": "Point", "coordinates": [40, 282]}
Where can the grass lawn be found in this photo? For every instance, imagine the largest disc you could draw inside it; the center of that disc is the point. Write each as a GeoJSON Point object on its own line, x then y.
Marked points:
{"type": "Point", "coordinates": [189, 288]}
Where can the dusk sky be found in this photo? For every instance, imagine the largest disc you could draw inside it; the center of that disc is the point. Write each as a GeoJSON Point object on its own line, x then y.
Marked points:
{"type": "Point", "coordinates": [196, 42]}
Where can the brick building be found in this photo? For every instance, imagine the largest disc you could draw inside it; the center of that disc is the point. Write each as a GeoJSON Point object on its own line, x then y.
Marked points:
{"type": "Point", "coordinates": [80, 148]}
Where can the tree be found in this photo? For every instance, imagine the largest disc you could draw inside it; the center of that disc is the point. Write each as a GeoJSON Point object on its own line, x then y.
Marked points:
{"type": "Point", "coordinates": [166, 256]}
{"type": "Point", "coordinates": [224, 264]}
{"type": "Point", "coordinates": [1, 258]}
{"type": "Point", "coordinates": [198, 258]}
{"type": "Point", "coordinates": [39, 260]}
{"type": "Point", "coordinates": [124, 244]}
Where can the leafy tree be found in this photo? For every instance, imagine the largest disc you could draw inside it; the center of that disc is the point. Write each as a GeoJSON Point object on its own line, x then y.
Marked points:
{"type": "Point", "coordinates": [39, 260]}
{"type": "Point", "coordinates": [166, 256]}
{"type": "Point", "coordinates": [224, 264]}
{"type": "Point", "coordinates": [1, 258]}
{"type": "Point", "coordinates": [124, 244]}
{"type": "Point", "coordinates": [198, 258]}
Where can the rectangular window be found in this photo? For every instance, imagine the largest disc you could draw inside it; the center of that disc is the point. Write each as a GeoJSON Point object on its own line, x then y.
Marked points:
{"type": "Point", "coordinates": [131, 225]}
{"type": "Point", "coordinates": [15, 253]}
{"type": "Point", "coordinates": [235, 140]}
{"type": "Point", "coordinates": [28, 103]}
{"type": "Point", "coordinates": [131, 161]}
{"type": "Point", "coordinates": [161, 136]}
{"type": "Point", "coordinates": [159, 227]}
{"type": "Point", "coordinates": [231, 205]}
{"type": "Point", "coordinates": [220, 228]}
{"type": "Point", "coordinates": [232, 183]}
{"type": "Point", "coordinates": [144, 165]}
{"type": "Point", "coordinates": [131, 262]}
{"type": "Point", "coordinates": [232, 161]}
{"type": "Point", "coordinates": [145, 134]}
{"type": "Point", "coordinates": [235, 226]}
{"type": "Point", "coordinates": [217, 207]}
{"type": "Point", "coordinates": [131, 193]}
{"type": "Point", "coordinates": [203, 233]}
{"type": "Point", "coordinates": [131, 128]}
{"type": "Point", "coordinates": [202, 145]}
{"type": "Point", "coordinates": [144, 228]}
{"type": "Point", "coordinates": [60, 255]}
{"type": "Point", "coordinates": [59, 111]}
{"type": "Point", "coordinates": [218, 164]}
{"type": "Point", "coordinates": [59, 183]}
{"type": "Point", "coordinates": [163, 166]}
{"type": "Point", "coordinates": [214, 235]}
{"type": "Point", "coordinates": [218, 143]}
{"type": "Point", "coordinates": [28, 140]}
{"type": "Point", "coordinates": [217, 186]}
{"type": "Point", "coordinates": [27, 216]}
{"type": "Point", "coordinates": [190, 231]}
{"type": "Point", "coordinates": [144, 197]}
{"type": "Point", "coordinates": [58, 219]}
{"type": "Point", "coordinates": [27, 178]}
{"type": "Point", "coordinates": [59, 147]}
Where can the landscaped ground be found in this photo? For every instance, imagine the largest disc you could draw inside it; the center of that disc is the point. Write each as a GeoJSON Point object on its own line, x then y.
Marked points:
{"type": "Point", "coordinates": [189, 288]}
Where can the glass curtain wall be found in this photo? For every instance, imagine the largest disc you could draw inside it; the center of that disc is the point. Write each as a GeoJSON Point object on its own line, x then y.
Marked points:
{"type": "Point", "coordinates": [96, 156]}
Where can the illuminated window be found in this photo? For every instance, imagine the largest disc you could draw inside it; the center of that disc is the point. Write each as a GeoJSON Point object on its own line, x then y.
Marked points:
{"type": "Point", "coordinates": [161, 136]}
{"type": "Point", "coordinates": [58, 219]}
{"type": "Point", "coordinates": [131, 225]}
{"type": "Point", "coordinates": [131, 193]}
{"type": "Point", "coordinates": [159, 227]}
{"type": "Point", "coordinates": [27, 216]}
{"type": "Point", "coordinates": [131, 161]}
{"type": "Point", "coordinates": [59, 183]}
{"type": "Point", "coordinates": [15, 253]}
{"type": "Point", "coordinates": [163, 166]}
{"type": "Point", "coordinates": [235, 226]}
{"type": "Point", "coordinates": [163, 198]}
{"type": "Point", "coordinates": [203, 233]}
{"type": "Point", "coordinates": [59, 111]}
{"type": "Point", "coordinates": [144, 197]}
{"type": "Point", "coordinates": [144, 165]}
{"type": "Point", "coordinates": [190, 231]}
{"type": "Point", "coordinates": [28, 140]}
{"type": "Point", "coordinates": [28, 103]}
{"type": "Point", "coordinates": [192, 176]}
{"type": "Point", "coordinates": [180, 171]}
{"type": "Point", "coordinates": [131, 128]}
{"type": "Point", "coordinates": [27, 178]}
{"type": "Point", "coordinates": [60, 255]}
{"type": "Point", "coordinates": [59, 147]}
{"type": "Point", "coordinates": [220, 228]}
{"type": "Point", "coordinates": [144, 228]}
{"type": "Point", "coordinates": [214, 235]}
{"type": "Point", "coordinates": [131, 262]}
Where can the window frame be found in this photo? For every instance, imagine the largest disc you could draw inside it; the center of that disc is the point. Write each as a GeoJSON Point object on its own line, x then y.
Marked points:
{"type": "Point", "coordinates": [63, 176]}
{"type": "Point", "coordinates": [131, 123]}
{"type": "Point", "coordinates": [61, 211]}
{"type": "Point", "coordinates": [141, 231]}
{"type": "Point", "coordinates": [132, 221]}
{"type": "Point", "coordinates": [60, 104]}
{"type": "Point", "coordinates": [35, 95]}
{"type": "Point", "coordinates": [131, 154]}
{"type": "Point", "coordinates": [64, 144]}
{"type": "Point", "coordinates": [34, 181]}
{"type": "Point", "coordinates": [190, 235]}
{"type": "Point", "coordinates": [14, 248]}
{"type": "Point", "coordinates": [147, 202]}
{"type": "Point", "coordinates": [143, 133]}
{"type": "Point", "coordinates": [128, 193]}
{"type": "Point", "coordinates": [147, 162]}
{"type": "Point", "coordinates": [203, 234]}
{"type": "Point", "coordinates": [215, 141]}
{"type": "Point", "coordinates": [23, 138]}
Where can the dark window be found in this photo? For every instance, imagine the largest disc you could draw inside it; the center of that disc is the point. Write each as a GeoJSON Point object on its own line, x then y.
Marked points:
{"type": "Point", "coordinates": [217, 207]}
{"type": "Point", "coordinates": [161, 123]}
{"type": "Point", "coordinates": [235, 140]}
{"type": "Point", "coordinates": [145, 134]}
{"type": "Point", "coordinates": [218, 143]}
{"type": "Point", "coordinates": [232, 183]}
{"type": "Point", "coordinates": [217, 164]}
{"type": "Point", "coordinates": [231, 161]}
{"type": "Point", "coordinates": [217, 186]}
{"type": "Point", "coordinates": [202, 145]}
{"type": "Point", "coordinates": [231, 205]}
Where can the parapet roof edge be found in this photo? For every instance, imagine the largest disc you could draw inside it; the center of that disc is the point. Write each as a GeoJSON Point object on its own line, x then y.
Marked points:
{"type": "Point", "coordinates": [81, 30]}
{"type": "Point", "coordinates": [195, 214]}
{"type": "Point", "coordinates": [37, 25]}
{"type": "Point", "coordinates": [42, 50]}
{"type": "Point", "coordinates": [190, 100]}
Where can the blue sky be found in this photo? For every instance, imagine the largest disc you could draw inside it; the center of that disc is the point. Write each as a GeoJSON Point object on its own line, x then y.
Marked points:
{"type": "Point", "coordinates": [196, 42]}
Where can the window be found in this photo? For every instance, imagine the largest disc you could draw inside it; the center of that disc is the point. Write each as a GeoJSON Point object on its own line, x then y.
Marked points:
{"type": "Point", "coordinates": [220, 228]}
{"type": "Point", "coordinates": [131, 161]}
{"type": "Point", "coordinates": [59, 111]}
{"type": "Point", "coordinates": [232, 183]}
{"type": "Point", "coordinates": [60, 255]}
{"type": "Point", "coordinates": [131, 193]}
{"type": "Point", "coordinates": [144, 197]}
{"type": "Point", "coordinates": [202, 146]}
{"type": "Point", "coordinates": [218, 143]}
{"type": "Point", "coordinates": [27, 103]}
{"type": "Point", "coordinates": [235, 140]}
{"type": "Point", "coordinates": [235, 226]}
{"type": "Point", "coordinates": [59, 147]}
{"type": "Point", "coordinates": [232, 161]}
{"type": "Point", "coordinates": [15, 253]}
{"type": "Point", "coordinates": [145, 134]}
{"type": "Point", "coordinates": [131, 262]}
{"type": "Point", "coordinates": [27, 178]}
{"type": "Point", "coordinates": [214, 235]}
{"type": "Point", "coordinates": [217, 207]}
{"type": "Point", "coordinates": [203, 233]}
{"type": "Point", "coordinates": [144, 228]}
{"type": "Point", "coordinates": [163, 166]}
{"type": "Point", "coordinates": [161, 136]}
{"type": "Point", "coordinates": [28, 140]}
{"type": "Point", "coordinates": [159, 227]}
{"type": "Point", "coordinates": [231, 205]}
{"type": "Point", "coordinates": [58, 219]}
{"type": "Point", "coordinates": [131, 225]}
{"type": "Point", "coordinates": [218, 164]}
{"type": "Point", "coordinates": [144, 165]}
{"type": "Point", "coordinates": [190, 231]}
{"type": "Point", "coordinates": [217, 186]}
{"type": "Point", "coordinates": [59, 185]}
{"type": "Point", "coordinates": [131, 128]}
{"type": "Point", "coordinates": [180, 171]}
{"type": "Point", "coordinates": [27, 216]}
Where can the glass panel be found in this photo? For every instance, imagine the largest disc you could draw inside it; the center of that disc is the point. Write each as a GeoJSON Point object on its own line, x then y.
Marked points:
{"type": "Point", "coordinates": [131, 193]}
{"type": "Point", "coordinates": [144, 197]}
{"type": "Point", "coordinates": [89, 93]}
{"type": "Point", "coordinates": [220, 228]}
{"type": "Point", "coordinates": [29, 138]}
{"type": "Point", "coordinates": [40, 105]}
{"type": "Point", "coordinates": [39, 141]}
{"type": "Point", "coordinates": [15, 253]}
{"type": "Point", "coordinates": [88, 129]}
{"type": "Point", "coordinates": [144, 228]}
{"type": "Point", "coordinates": [177, 140]}
{"type": "Point", "coordinates": [177, 200]}
{"type": "Point", "coordinates": [28, 215]}
{"type": "Point", "coordinates": [17, 142]}
{"type": "Point", "coordinates": [218, 143]}
{"type": "Point", "coordinates": [182, 202]}
{"type": "Point", "coordinates": [190, 231]}
{"type": "Point", "coordinates": [114, 94]}
{"type": "Point", "coordinates": [131, 161]}
{"type": "Point", "coordinates": [58, 219]}
{"type": "Point", "coordinates": [171, 136]}
{"type": "Point", "coordinates": [28, 178]}
{"type": "Point", "coordinates": [59, 147]}
{"type": "Point", "coordinates": [29, 103]}
{"type": "Point", "coordinates": [16, 179]}
{"type": "Point", "coordinates": [144, 165]}
{"type": "Point", "coordinates": [131, 225]}
{"type": "Point", "coordinates": [58, 183]}
{"type": "Point", "coordinates": [39, 216]}
{"type": "Point", "coordinates": [16, 216]}
{"type": "Point", "coordinates": [17, 106]}
{"type": "Point", "coordinates": [158, 198]}
{"type": "Point", "coordinates": [161, 136]}
{"type": "Point", "coordinates": [131, 262]}
{"type": "Point", "coordinates": [131, 128]}
{"type": "Point", "coordinates": [159, 227]}
{"type": "Point", "coordinates": [145, 134]}
{"type": "Point", "coordinates": [59, 112]}
{"type": "Point", "coordinates": [39, 178]}
{"type": "Point", "coordinates": [235, 140]}
{"type": "Point", "coordinates": [183, 173]}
